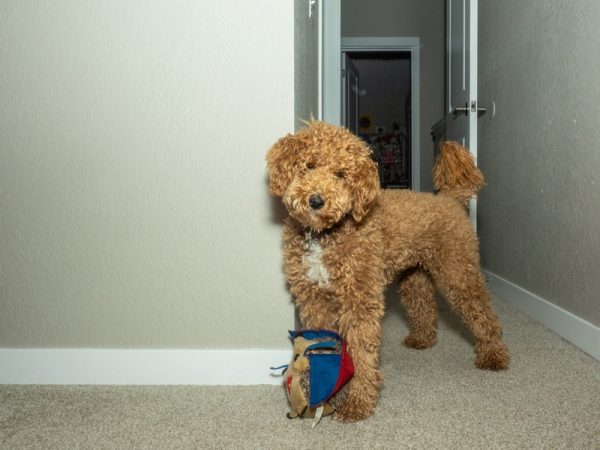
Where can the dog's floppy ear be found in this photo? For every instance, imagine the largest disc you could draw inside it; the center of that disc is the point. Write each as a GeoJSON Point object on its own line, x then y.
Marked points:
{"type": "Point", "coordinates": [366, 189]}
{"type": "Point", "coordinates": [281, 160]}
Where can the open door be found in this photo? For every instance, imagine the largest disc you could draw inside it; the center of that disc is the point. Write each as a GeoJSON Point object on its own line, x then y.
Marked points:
{"type": "Point", "coordinates": [350, 98]}
{"type": "Point", "coordinates": [461, 78]}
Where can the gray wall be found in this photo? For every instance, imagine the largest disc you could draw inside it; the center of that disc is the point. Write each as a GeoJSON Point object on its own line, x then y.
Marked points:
{"type": "Point", "coordinates": [406, 18]}
{"type": "Point", "coordinates": [539, 215]}
{"type": "Point", "coordinates": [133, 200]}
{"type": "Point", "coordinates": [306, 62]}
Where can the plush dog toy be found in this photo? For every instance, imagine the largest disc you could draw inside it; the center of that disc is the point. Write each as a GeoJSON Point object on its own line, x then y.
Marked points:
{"type": "Point", "coordinates": [320, 367]}
{"type": "Point", "coordinates": [345, 239]}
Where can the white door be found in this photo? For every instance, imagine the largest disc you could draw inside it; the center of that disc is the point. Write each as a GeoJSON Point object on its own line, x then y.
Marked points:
{"type": "Point", "coordinates": [350, 97]}
{"type": "Point", "coordinates": [461, 77]}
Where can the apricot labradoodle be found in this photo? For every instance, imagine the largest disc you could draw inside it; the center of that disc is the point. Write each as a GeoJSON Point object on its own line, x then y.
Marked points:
{"type": "Point", "coordinates": [345, 239]}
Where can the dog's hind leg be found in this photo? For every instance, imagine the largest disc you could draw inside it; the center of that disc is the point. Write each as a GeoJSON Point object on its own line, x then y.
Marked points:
{"type": "Point", "coordinates": [466, 292]}
{"type": "Point", "coordinates": [417, 295]}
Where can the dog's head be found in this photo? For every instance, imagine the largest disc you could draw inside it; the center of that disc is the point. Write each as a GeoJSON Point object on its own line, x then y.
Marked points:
{"type": "Point", "coordinates": [323, 173]}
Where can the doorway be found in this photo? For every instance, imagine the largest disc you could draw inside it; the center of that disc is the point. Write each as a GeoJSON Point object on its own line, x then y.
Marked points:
{"type": "Point", "coordinates": [376, 106]}
{"type": "Point", "coordinates": [379, 101]}
{"type": "Point", "coordinates": [416, 25]}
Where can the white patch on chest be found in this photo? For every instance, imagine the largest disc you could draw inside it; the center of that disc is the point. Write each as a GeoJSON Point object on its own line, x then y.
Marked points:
{"type": "Point", "coordinates": [313, 258]}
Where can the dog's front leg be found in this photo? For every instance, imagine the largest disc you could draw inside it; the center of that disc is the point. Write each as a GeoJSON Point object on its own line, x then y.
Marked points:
{"type": "Point", "coordinates": [317, 309]}
{"type": "Point", "coordinates": [361, 313]}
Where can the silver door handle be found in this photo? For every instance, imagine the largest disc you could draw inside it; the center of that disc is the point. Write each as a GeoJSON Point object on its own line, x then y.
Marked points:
{"type": "Point", "coordinates": [461, 110]}
{"type": "Point", "coordinates": [465, 109]}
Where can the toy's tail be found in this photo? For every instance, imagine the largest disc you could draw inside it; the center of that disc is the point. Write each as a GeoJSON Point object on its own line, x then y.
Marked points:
{"type": "Point", "coordinates": [455, 173]}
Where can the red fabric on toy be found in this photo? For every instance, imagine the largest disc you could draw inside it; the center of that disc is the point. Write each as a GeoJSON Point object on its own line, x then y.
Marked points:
{"type": "Point", "coordinates": [346, 368]}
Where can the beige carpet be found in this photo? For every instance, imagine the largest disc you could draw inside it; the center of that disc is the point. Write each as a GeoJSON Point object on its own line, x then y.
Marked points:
{"type": "Point", "coordinates": [436, 398]}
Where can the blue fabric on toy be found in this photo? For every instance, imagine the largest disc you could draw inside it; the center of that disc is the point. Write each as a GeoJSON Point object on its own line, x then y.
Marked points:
{"type": "Point", "coordinates": [324, 367]}
{"type": "Point", "coordinates": [324, 371]}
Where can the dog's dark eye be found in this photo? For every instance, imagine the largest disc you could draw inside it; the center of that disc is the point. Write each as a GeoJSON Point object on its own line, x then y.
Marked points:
{"type": "Point", "coordinates": [310, 165]}
{"type": "Point", "coordinates": [341, 174]}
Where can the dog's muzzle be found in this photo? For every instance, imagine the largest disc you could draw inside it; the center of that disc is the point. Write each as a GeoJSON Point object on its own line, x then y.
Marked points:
{"type": "Point", "coordinates": [316, 201]}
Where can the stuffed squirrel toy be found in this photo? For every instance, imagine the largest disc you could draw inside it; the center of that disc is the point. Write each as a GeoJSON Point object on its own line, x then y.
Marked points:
{"type": "Point", "coordinates": [313, 380]}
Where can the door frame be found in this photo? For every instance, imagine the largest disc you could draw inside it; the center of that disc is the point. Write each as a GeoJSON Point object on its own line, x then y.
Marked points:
{"type": "Point", "coordinates": [469, 50]}
{"type": "Point", "coordinates": [333, 44]}
{"type": "Point", "coordinates": [350, 88]}
{"type": "Point", "coordinates": [331, 67]}
{"type": "Point", "coordinates": [410, 45]}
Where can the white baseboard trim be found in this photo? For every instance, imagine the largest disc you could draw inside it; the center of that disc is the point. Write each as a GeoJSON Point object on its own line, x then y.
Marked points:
{"type": "Point", "coordinates": [581, 333]}
{"type": "Point", "coordinates": [140, 366]}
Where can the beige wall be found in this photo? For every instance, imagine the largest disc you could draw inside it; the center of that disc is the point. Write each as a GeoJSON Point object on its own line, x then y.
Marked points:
{"type": "Point", "coordinates": [133, 203]}
{"type": "Point", "coordinates": [405, 18]}
{"type": "Point", "coordinates": [539, 215]}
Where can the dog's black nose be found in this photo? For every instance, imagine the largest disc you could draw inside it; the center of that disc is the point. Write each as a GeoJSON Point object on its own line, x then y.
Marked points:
{"type": "Point", "coordinates": [316, 201]}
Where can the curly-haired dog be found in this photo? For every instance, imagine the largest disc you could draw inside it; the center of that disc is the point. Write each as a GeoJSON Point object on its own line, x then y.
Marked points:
{"type": "Point", "coordinates": [345, 239]}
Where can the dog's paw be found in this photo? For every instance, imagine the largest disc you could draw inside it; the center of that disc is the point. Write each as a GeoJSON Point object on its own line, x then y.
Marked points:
{"type": "Point", "coordinates": [419, 341]}
{"type": "Point", "coordinates": [356, 404]}
{"type": "Point", "coordinates": [350, 413]}
{"type": "Point", "coordinates": [492, 357]}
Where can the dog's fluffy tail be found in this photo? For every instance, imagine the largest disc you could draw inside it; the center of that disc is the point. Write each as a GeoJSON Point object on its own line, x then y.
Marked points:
{"type": "Point", "coordinates": [455, 173]}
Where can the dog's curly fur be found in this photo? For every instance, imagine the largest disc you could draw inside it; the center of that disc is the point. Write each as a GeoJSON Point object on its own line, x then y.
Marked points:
{"type": "Point", "coordinates": [355, 239]}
